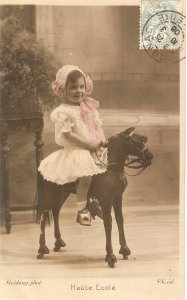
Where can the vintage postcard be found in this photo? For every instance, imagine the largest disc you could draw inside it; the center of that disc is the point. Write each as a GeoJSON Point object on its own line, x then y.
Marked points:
{"type": "Point", "coordinates": [92, 149]}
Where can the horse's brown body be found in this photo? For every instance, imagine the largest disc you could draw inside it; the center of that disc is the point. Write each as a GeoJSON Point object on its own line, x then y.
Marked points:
{"type": "Point", "coordinates": [107, 187]}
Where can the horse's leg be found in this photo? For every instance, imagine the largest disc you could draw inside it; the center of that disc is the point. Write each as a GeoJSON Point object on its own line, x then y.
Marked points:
{"type": "Point", "coordinates": [106, 208]}
{"type": "Point", "coordinates": [117, 205]}
{"type": "Point", "coordinates": [56, 210]}
{"type": "Point", "coordinates": [43, 249]}
{"type": "Point", "coordinates": [51, 193]}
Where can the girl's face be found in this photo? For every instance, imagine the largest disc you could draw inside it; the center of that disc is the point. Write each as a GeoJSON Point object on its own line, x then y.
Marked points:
{"type": "Point", "coordinates": [75, 91]}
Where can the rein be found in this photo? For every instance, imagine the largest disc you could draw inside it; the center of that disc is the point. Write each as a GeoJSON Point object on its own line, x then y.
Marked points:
{"type": "Point", "coordinates": [138, 167]}
{"type": "Point", "coordinates": [142, 165]}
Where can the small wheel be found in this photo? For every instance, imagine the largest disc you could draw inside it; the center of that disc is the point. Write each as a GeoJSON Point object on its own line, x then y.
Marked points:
{"type": "Point", "coordinates": [40, 256]}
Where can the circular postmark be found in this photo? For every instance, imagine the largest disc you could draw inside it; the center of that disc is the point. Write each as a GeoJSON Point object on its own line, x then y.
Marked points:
{"type": "Point", "coordinates": [163, 36]}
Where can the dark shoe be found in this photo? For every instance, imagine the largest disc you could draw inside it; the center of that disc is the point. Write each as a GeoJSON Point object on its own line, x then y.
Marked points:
{"type": "Point", "coordinates": [95, 209]}
{"type": "Point", "coordinates": [83, 217]}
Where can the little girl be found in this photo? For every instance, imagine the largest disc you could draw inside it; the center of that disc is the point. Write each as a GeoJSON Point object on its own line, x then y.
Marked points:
{"type": "Point", "coordinates": [79, 130]}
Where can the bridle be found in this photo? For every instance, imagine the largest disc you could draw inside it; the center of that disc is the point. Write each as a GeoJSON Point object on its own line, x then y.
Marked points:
{"type": "Point", "coordinates": [142, 164]}
{"type": "Point", "coordinates": [142, 161]}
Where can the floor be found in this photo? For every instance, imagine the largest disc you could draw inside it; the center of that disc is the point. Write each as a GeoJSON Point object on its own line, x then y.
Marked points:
{"type": "Point", "coordinates": [152, 233]}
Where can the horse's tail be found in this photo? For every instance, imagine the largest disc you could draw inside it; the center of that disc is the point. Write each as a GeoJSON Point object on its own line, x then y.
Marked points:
{"type": "Point", "coordinates": [39, 203]}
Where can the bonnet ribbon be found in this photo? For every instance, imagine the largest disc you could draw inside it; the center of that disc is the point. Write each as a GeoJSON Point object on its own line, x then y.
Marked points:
{"type": "Point", "coordinates": [87, 110]}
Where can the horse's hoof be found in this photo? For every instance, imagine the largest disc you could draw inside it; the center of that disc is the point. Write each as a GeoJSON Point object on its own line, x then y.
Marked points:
{"type": "Point", "coordinates": [62, 243]}
{"type": "Point", "coordinates": [111, 260]}
{"type": "Point", "coordinates": [58, 244]}
{"type": "Point", "coordinates": [125, 251]}
{"type": "Point", "coordinates": [43, 250]}
{"type": "Point", "coordinates": [40, 256]}
{"type": "Point", "coordinates": [111, 264]}
{"type": "Point", "coordinates": [56, 249]}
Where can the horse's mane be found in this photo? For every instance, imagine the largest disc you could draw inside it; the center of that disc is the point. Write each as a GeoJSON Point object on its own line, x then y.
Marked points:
{"type": "Point", "coordinates": [128, 134]}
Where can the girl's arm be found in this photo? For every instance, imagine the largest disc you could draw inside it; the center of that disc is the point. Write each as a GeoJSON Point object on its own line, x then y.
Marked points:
{"type": "Point", "coordinates": [80, 141]}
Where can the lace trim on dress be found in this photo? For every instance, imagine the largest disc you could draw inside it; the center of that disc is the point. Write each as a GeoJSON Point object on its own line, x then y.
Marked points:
{"type": "Point", "coordinates": [70, 179]}
{"type": "Point", "coordinates": [65, 128]}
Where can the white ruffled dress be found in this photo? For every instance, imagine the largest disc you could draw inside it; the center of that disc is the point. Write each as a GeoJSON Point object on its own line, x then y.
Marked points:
{"type": "Point", "coordinates": [71, 162]}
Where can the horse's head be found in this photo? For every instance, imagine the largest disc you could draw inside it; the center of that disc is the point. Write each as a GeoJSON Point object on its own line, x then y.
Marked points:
{"type": "Point", "coordinates": [136, 145]}
{"type": "Point", "coordinates": [128, 143]}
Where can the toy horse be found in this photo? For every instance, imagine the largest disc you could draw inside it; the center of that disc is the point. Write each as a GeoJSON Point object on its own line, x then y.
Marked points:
{"type": "Point", "coordinates": [107, 188]}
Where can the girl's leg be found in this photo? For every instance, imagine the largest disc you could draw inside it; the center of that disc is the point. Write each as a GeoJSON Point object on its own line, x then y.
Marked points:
{"type": "Point", "coordinates": [83, 216]}
{"type": "Point", "coordinates": [83, 187]}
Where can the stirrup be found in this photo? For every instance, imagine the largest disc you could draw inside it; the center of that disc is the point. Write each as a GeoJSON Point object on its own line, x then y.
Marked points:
{"type": "Point", "coordinates": [83, 217]}
{"type": "Point", "coordinates": [95, 209]}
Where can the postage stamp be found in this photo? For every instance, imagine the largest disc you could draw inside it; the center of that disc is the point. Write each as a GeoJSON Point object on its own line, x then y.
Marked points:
{"type": "Point", "coordinates": [162, 29]}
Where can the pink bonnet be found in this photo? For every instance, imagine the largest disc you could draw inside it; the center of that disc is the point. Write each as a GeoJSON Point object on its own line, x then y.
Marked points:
{"type": "Point", "coordinates": [59, 84]}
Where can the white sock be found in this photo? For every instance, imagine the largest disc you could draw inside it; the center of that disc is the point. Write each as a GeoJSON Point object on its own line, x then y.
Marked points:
{"type": "Point", "coordinates": [81, 205]}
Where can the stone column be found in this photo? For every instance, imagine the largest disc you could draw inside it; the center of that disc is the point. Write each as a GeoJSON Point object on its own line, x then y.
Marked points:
{"type": "Point", "coordinates": [44, 25]}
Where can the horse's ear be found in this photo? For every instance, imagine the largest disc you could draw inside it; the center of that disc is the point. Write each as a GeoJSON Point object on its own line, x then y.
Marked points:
{"type": "Point", "coordinates": [128, 131]}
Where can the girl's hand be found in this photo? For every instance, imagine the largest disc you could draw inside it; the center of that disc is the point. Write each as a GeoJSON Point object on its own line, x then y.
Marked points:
{"type": "Point", "coordinates": [93, 146]}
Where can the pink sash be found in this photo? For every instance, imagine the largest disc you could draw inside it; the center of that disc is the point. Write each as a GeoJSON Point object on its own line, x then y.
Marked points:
{"type": "Point", "coordinates": [87, 110]}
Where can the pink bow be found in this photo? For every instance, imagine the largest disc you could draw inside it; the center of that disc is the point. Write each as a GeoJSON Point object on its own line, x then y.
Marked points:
{"type": "Point", "coordinates": [57, 88]}
{"type": "Point", "coordinates": [87, 110]}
